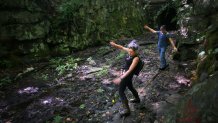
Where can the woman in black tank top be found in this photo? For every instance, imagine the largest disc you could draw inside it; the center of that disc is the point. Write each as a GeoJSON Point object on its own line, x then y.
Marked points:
{"type": "Point", "coordinates": [125, 80]}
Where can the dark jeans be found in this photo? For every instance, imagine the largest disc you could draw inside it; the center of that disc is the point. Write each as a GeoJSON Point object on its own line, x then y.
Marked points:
{"type": "Point", "coordinates": [162, 51]}
{"type": "Point", "coordinates": [127, 82]}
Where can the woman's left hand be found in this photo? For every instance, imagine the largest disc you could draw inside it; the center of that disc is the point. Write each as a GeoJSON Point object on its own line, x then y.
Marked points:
{"type": "Point", "coordinates": [117, 81]}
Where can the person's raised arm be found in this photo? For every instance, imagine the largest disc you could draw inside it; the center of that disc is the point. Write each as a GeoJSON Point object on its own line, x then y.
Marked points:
{"type": "Point", "coordinates": [119, 46]}
{"type": "Point", "coordinates": [150, 29]}
{"type": "Point", "coordinates": [173, 45]}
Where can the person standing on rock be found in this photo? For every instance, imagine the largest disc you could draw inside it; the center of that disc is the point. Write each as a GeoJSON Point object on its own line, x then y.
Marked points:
{"type": "Point", "coordinates": [163, 41]}
{"type": "Point", "coordinates": [125, 80]}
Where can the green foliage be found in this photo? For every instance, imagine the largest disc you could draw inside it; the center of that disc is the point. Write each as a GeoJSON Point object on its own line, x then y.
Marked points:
{"type": "Point", "coordinates": [5, 63]}
{"type": "Point", "coordinates": [82, 23]}
{"type": "Point", "coordinates": [183, 11]}
{"type": "Point", "coordinates": [120, 56]}
{"type": "Point", "coordinates": [100, 90]}
{"type": "Point", "coordinates": [39, 49]}
{"type": "Point", "coordinates": [41, 76]}
{"type": "Point", "coordinates": [66, 64]}
{"type": "Point", "coordinates": [58, 119]}
{"type": "Point", "coordinates": [82, 106]}
{"type": "Point", "coordinates": [103, 50]}
{"type": "Point", "coordinates": [115, 59]}
{"type": "Point", "coordinates": [102, 72]}
{"type": "Point", "coordinates": [5, 81]}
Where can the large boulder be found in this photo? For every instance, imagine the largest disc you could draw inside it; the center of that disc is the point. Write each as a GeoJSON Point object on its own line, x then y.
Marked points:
{"type": "Point", "coordinates": [199, 104]}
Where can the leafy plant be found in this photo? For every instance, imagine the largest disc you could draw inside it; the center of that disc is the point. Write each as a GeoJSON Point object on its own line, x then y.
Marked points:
{"type": "Point", "coordinates": [5, 63]}
{"type": "Point", "coordinates": [82, 106]}
{"type": "Point", "coordinates": [58, 119]}
{"type": "Point", "coordinates": [5, 81]}
{"type": "Point", "coordinates": [63, 65]}
{"type": "Point", "coordinates": [45, 76]}
{"type": "Point", "coordinates": [103, 50]}
{"type": "Point", "coordinates": [103, 72]}
{"type": "Point", "coordinates": [120, 56]}
{"type": "Point", "coordinates": [100, 90]}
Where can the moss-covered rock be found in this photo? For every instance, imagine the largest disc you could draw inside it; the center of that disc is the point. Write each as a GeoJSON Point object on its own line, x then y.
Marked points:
{"type": "Point", "coordinates": [19, 5]}
{"type": "Point", "coordinates": [199, 105]}
{"type": "Point", "coordinates": [200, 102]}
{"type": "Point", "coordinates": [23, 24]}
{"type": "Point", "coordinates": [22, 17]}
{"type": "Point", "coordinates": [25, 31]}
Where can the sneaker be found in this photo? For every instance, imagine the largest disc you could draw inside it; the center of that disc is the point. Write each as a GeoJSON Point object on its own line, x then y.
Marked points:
{"type": "Point", "coordinates": [163, 68]}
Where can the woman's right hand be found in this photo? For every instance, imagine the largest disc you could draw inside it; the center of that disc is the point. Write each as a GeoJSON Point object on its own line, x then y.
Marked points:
{"type": "Point", "coordinates": [112, 43]}
{"type": "Point", "coordinates": [117, 81]}
{"type": "Point", "coordinates": [145, 26]}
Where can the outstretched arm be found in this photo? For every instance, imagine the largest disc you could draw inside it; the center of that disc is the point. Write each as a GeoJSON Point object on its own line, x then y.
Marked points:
{"type": "Point", "coordinates": [119, 46]}
{"type": "Point", "coordinates": [173, 45]}
{"type": "Point", "coordinates": [150, 29]}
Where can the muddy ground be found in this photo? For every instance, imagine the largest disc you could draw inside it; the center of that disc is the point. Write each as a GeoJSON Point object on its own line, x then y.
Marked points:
{"type": "Point", "coordinates": [86, 94]}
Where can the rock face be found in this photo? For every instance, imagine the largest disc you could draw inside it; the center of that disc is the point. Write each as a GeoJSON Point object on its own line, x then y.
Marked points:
{"type": "Point", "coordinates": [158, 1]}
{"type": "Point", "coordinates": [200, 103]}
{"type": "Point", "coordinates": [22, 20]}
{"type": "Point", "coordinates": [209, 28]}
{"type": "Point", "coordinates": [24, 25]}
{"type": "Point", "coordinates": [59, 27]}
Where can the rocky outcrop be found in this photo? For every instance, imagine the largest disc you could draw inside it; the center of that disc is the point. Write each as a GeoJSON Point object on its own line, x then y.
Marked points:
{"type": "Point", "coordinates": [24, 26]}
{"type": "Point", "coordinates": [42, 27]}
{"type": "Point", "coordinates": [209, 29]}
{"type": "Point", "coordinates": [200, 103]}
{"type": "Point", "coordinates": [22, 20]}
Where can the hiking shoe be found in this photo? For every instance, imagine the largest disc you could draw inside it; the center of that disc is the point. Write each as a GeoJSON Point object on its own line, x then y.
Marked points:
{"type": "Point", "coordinates": [163, 68]}
{"type": "Point", "coordinates": [126, 110]}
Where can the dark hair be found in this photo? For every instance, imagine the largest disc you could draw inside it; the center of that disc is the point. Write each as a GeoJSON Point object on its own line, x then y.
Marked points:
{"type": "Point", "coordinates": [163, 27]}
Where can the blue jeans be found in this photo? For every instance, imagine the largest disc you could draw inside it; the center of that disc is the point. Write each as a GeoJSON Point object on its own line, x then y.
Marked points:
{"type": "Point", "coordinates": [162, 51]}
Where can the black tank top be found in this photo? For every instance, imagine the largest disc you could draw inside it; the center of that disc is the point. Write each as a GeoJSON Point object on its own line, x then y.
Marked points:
{"type": "Point", "coordinates": [138, 67]}
{"type": "Point", "coordinates": [128, 60]}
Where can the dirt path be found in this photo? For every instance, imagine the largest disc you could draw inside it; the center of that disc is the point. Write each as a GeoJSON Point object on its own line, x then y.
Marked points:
{"type": "Point", "coordinates": [87, 94]}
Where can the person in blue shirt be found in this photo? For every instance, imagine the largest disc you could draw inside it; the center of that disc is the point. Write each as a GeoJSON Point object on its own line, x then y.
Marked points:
{"type": "Point", "coordinates": [163, 38]}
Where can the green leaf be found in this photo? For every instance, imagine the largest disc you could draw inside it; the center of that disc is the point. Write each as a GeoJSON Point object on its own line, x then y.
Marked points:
{"type": "Point", "coordinates": [82, 106]}
{"type": "Point", "coordinates": [58, 119]}
{"type": "Point", "coordinates": [100, 90]}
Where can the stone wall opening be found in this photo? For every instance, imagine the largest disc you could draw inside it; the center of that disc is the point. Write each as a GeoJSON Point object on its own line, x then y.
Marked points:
{"type": "Point", "coordinates": [168, 17]}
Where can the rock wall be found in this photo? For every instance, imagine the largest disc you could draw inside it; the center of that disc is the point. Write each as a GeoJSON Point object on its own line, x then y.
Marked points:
{"type": "Point", "coordinates": [200, 103]}
{"type": "Point", "coordinates": [46, 27]}
{"type": "Point", "coordinates": [24, 26]}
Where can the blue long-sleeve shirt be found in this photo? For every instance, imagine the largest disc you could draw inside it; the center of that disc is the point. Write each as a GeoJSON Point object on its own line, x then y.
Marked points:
{"type": "Point", "coordinates": [163, 39]}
